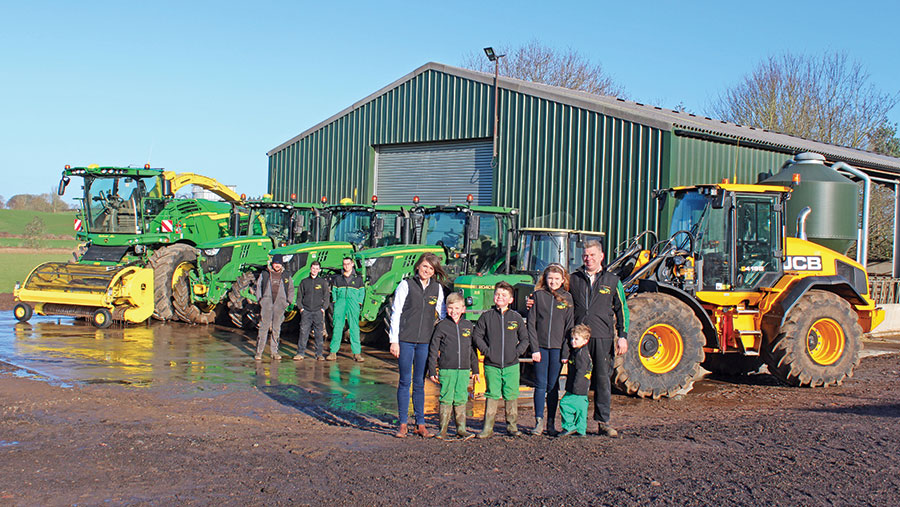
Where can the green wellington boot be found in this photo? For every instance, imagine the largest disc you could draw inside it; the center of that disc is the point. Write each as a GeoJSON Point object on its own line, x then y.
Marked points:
{"type": "Point", "coordinates": [445, 420]}
{"type": "Point", "coordinates": [512, 417]}
{"type": "Point", "coordinates": [490, 413]}
{"type": "Point", "coordinates": [460, 412]}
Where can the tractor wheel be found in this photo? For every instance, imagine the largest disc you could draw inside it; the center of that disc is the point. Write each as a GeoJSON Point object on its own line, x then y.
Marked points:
{"type": "Point", "coordinates": [101, 318]}
{"type": "Point", "coordinates": [244, 314]}
{"type": "Point", "coordinates": [373, 333]}
{"type": "Point", "coordinates": [732, 365]}
{"type": "Point", "coordinates": [663, 358]}
{"type": "Point", "coordinates": [818, 344]}
{"type": "Point", "coordinates": [23, 312]}
{"type": "Point", "coordinates": [185, 309]}
{"type": "Point", "coordinates": [169, 264]}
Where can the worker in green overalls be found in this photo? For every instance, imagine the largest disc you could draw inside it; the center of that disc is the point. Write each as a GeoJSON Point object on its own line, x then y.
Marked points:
{"type": "Point", "coordinates": [347, 292]}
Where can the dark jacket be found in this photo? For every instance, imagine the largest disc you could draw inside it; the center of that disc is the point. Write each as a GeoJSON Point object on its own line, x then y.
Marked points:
{"type": "Point", "coordinates": [284, 296]}
{"type": "Point", "coordinates": [600, 305]}
{"type": "Point", "coordinates": [420, 311]}
{"type": "Point", "coordinates": [501, 337]}
{"type": "Point", "coordinates": [452, 348]}
{"type": "Point", "coordinates": [314, 294]}
{"type": "Point", "coordinates": [578, 377]}
{"type": "Point", "coordinates": [550, 320]}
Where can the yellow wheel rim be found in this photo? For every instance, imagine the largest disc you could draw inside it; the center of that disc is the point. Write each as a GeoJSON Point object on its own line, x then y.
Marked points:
{"type": "Point", "coordinates": [661, 348]}
{"type": "Point", "coordinates": [180, 270]}
{"type": "Point", "coordinates": [20, 312]}
{"type": "Point", "coordinates": [99, 318]}
{"type": "Point", "coordinates": [367, 326]}
{"type": "Point", "coordinates": [825, 341]}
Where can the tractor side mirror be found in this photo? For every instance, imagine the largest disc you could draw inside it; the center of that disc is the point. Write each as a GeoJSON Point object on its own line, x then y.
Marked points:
{"type": "Point", "coordinates": [399, 226]}
{"type": "Point", "coordinates": [299, 224]}
{"type": "Point", "coordinates": [718, 200]}
{"type": "Point", "coordinates": [63, 183]}
{"type": "Point", "coordinates": [378, 227]}
{"type": "Point", "coordinates": [473, 227]}
{"type": "Point", "coordinates": [167, 188]}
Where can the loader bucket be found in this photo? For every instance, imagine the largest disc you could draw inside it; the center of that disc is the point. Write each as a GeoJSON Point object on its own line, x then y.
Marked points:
{"type": "Point", "coordinates": [59, 288]}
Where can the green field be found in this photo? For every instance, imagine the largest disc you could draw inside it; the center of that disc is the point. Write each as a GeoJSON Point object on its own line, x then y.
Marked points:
{"type": "Point", "coordinates": [12, 221]}
{"type": "Point", "coordinates": [67, 244]}
{"type": "Point", "coordinates": [16, 267]}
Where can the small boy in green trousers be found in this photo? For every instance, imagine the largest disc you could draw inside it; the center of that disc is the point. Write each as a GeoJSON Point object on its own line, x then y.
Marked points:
{"type": "Point", "coordinates": [574, 404]}
{"type": "Point", "coordinates": [451, 349]}
{"type": "Point", "coordinates": [501, 336]}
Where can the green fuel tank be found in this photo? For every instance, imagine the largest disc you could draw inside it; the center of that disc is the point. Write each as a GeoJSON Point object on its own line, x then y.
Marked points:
{"type": "Point", "coordinates": [833, 199]}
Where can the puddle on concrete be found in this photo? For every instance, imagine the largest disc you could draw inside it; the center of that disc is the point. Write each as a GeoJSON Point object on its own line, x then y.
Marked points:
{"type": "Point", "coordinates": [4, 443]}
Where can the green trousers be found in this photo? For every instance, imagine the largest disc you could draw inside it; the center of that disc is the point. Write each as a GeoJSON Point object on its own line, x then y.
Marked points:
{"type": "Point", "coordinates": [502, 382]}
{"type": "Point", "coordinates": [346, 308]}
{"type": "Point", "coordinates": [574, 408]}
{"type": "Point", "coordinates": [454, 386]}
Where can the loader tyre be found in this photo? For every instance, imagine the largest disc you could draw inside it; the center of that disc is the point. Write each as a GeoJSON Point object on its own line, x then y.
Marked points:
{"type": "Point", "coordinates": [23, 312]}
{"type": "Point", "coordinates": [169, 264]}
{"type": "Point", "coordinates": [818, 344]}
{"type": "Point", "coordinates": [732, 365]}
{"type": "Point", "coordinates": [664, 355]}
{"type": "Point", "coordinates": [185, 309]}
{"type": "Point", "coordinates": [244, 314]}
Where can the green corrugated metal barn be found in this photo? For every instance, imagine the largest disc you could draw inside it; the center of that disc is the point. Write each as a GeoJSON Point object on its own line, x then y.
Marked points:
{"type": "Point", "coordinates": [564, 158]}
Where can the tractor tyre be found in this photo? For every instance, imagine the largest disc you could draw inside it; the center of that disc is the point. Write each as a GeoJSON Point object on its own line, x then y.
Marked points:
{"type": "Point", "coordinates": [185, 309]}
{"type": "Point", "coordinates": [101, 318]}
{"type": "Point", "coordinates": [732, 365]}
{"type": "Point", "coordinates": [818, 344]}
{"type": "Point", "coordinates": [664, 355]}
{"type": "Point", "coordinates": [23, 312]}
{"type": "Point", "coordinates": [244, 314]}
{"type": "Point", "coordinates": [169, 264]}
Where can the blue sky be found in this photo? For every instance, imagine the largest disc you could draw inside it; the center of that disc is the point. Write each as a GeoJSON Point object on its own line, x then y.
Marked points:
{"type": "Point", "coordinates": [209, 87]}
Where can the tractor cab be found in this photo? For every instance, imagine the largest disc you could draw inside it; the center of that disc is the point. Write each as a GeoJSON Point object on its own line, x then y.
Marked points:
{"type": "Point", "coordinates": [369, 226]}
{"type": "Point", "coordinates": [538, 248]}
{"type": "Point", "coordinates": [475, 239]}
{"type": "Point", "coordinates": [285, 222]}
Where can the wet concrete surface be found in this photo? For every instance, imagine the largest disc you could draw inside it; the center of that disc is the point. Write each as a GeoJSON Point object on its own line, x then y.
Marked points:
{"type": "Point", "coordinates": [220, 359]}
{"type": "Point", "coordinates": [210, 358]}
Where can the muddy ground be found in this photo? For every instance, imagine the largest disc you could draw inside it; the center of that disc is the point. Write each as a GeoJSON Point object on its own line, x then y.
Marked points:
{"type": "Point", "coordinates": [729, 442]}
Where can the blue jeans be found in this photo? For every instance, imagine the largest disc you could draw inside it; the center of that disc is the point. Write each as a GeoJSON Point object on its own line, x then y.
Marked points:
{"type": "Point", "coordinates": [546, 384]}
{"type": "Point", "coordinates": [413, 357]}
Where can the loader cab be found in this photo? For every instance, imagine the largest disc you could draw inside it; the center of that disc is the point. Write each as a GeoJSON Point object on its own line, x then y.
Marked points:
{"type": "Point", "coordinates": [735, 233]}
{"type": "Point", "coordinates": [475, 239]}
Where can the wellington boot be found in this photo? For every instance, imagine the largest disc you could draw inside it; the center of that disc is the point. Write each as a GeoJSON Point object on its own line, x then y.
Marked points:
{"type": "Point", "coordinates": [538, 426]}
{"type": "Point", "coordinates": [459, 411]}
{"type": "Point", "coordinates": [445, 420]}
{"type": "Point", "coordinates": [490, 413]}
{"type": "Point", "coordinates": [512, 417]}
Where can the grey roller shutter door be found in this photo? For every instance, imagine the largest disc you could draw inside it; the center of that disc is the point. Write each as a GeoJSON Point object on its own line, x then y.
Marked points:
{"type": "Point", "coordinates": [438, 173]}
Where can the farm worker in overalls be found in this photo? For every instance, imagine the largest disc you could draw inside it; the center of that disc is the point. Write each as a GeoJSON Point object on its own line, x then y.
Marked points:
{"type": "Point", "coordinates": [347, 292]}
{"type": "Point", "coordinates": [275, 291]}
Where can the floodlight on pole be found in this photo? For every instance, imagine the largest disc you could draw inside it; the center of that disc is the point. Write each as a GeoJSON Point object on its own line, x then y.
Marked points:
{"type": "Point", "coordinates": [494, 57]}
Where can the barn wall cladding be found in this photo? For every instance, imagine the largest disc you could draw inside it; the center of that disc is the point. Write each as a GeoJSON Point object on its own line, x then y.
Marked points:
{"type": "Point", "coordinates": [565, 158]}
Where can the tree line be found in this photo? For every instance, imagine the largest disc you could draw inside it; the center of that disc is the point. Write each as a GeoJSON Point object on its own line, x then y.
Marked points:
{"type": "Point", "coordinates": [50, 201]}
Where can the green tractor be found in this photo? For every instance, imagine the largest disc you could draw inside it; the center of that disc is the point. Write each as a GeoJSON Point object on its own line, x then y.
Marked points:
{"type": "Point", "coordinates": [260, 226]}
{"type": "Point", "coordinates": [537, 249]}
{"type": "Point", "coordinates": [139, 241]}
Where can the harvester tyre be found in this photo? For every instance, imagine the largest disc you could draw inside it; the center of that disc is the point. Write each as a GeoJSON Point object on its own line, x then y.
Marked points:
{"type": "Point", "coordinates": [665, 351]}
{"type": "Point", "coordinates": [732, 365]}
{"type": "Point", "coordinates": [166, 262]}
{"type": "Point", "coordinates": [818, 344]}
{"type": "Point", "coordinates": [244, 314]}
{"type": "Point", "coordinates": [185, 309]}
{"type": "Point", "coordinates": [23, 312]}
{"type": "Point", "coordinates": [101, 318]}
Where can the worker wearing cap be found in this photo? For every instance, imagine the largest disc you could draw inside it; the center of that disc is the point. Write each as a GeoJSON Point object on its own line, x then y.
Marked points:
{"type": "Point", "coordinates": [274, 291]}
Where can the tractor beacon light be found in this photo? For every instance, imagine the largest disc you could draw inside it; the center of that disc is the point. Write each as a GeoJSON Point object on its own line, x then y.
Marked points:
{"type": "Point", "coordinates": [374, 199]}
{"type": "Point", "coordinates": [470, 198]}
{"type": "Point", "coordinates": [415, 199]}
{"type": "Point", "coordinates": [795, 178]}
{"type": "Point", "coordinates": [324, 199]}
{"type": "Point", "coordinates": [293, 197]}
{"type": "Point", "coordinates": [146, 166]}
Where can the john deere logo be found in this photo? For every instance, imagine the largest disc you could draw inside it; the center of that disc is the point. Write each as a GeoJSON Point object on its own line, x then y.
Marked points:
{"type": "Point", "coordinates": [318, 286]}
{"type": "Point", "coordinates": [562, 305]}
{"type": "Point", "coordinates": [466, 333]}
{"type": "Point", "coordinates": [604, 289]}
{"type": "Point", "coordinates": [512, 326]}
{"type": "Point", "coordinates": [432, 300]}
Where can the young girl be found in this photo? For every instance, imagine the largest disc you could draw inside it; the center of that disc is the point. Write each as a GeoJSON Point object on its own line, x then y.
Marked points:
{"type": "Point", "coordinates": [550, 320]}
{"type": "Point", "coordinates": [418, 302]}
